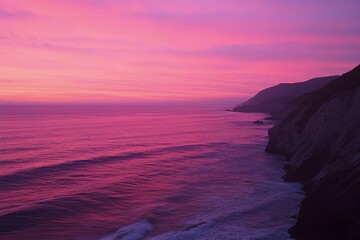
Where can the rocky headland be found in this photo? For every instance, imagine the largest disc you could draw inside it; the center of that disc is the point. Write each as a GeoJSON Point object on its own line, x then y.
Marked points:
{"type": "Point", "coordinates": [319, 134]}
{"type": "Point", "coordinates": [320, 138]}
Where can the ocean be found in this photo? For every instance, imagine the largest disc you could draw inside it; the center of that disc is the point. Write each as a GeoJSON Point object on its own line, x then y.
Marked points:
{"type": "Point", "coordinates": [117, 172]}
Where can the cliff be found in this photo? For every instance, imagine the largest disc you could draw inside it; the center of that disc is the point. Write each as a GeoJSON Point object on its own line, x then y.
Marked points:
{"type": "Point", "coordinates": [273, 99]}
{"type": "Point", "coordinates": [320, 138]}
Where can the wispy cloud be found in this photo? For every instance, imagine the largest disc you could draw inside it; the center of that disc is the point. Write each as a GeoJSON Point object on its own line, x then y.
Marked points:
{"type": "Point", "coordinates": [4, 14]}
{"type": "Point", "coordinates": [178, 49]}
{"type": "Point", "coordinates": [286, 51]}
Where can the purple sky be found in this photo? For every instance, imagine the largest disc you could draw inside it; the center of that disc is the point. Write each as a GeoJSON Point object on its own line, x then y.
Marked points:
{"type": "Point", "coordinates": [133, 51]}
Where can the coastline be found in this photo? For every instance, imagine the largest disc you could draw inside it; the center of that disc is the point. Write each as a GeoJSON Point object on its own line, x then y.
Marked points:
{"type": "Point", "coordinates": [319, 139]}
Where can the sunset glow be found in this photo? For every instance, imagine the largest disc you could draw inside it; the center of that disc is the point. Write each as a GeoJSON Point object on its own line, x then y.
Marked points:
{"type": "Point", "coordinates": [160, 50]}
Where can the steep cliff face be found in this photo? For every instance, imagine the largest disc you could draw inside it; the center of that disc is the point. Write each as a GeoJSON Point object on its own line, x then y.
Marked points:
{"type": "Point", "coordinates": [320, 138]}
{"type": "Point", "coordinates": [273, 99]}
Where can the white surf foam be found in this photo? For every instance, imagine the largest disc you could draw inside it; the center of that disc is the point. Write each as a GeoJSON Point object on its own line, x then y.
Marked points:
{"type": "Point", "coordinates": [134, 231]}
{"type": "Point", "coordinates": [212, 231]}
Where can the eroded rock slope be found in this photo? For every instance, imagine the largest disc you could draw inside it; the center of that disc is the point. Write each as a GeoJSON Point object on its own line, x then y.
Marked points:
{"type": "Point", "coordinates": [320, 138]}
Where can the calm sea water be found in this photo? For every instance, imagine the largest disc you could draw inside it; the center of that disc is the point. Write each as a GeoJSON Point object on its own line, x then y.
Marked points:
{"type": "Point", "coordinates": [108, 172]}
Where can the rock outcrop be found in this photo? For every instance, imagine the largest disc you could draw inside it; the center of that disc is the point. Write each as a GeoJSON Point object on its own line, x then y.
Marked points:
{"type": "Point", "coordinates": [320, 137]}
{"type": "Point", "coordinates": [273, 99]}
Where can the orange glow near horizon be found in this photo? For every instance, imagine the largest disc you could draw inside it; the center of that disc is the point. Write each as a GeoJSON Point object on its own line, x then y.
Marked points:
{"type": "Point", "coordinates": [142, 50]}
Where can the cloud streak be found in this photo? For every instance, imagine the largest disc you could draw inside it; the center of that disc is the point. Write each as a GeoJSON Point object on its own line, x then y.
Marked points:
{"type": "Point", "coordinates": [159, 49]}
{"type": "Point", "coordinates": [4, 14]}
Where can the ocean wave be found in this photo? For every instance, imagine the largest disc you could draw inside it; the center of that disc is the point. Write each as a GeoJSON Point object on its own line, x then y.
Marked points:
{"type": "Point", "coordinates": [134, 231]}
{"type": "Point", "coordinates": [24, 177]}
{"type": "Point", "coordinates": [253, 220]}
{"type": "Point", "coordinates": [18, 149]}
{"type": "Point", "coordinates": [51, 210]}
{"type": "Point", "coordinates": [209, 231]}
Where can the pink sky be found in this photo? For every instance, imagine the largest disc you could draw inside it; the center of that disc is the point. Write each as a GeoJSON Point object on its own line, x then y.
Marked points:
{"type": "Point", "coordinates": [155, 50]}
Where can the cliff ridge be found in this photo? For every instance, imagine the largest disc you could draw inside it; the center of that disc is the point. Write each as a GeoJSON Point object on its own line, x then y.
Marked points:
{"type": "Point", "coordinates": [320, 138]}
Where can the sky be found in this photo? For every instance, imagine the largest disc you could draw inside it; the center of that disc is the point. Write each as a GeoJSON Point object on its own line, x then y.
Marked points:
{"type": "Point", "coordinates": [161, 50]}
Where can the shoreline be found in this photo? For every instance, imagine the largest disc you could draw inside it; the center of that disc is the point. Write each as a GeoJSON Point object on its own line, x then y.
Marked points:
{"type": "Point", "coordinates": [318, 134]}
{"type": "Point", "coordinates": [319, 139]}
